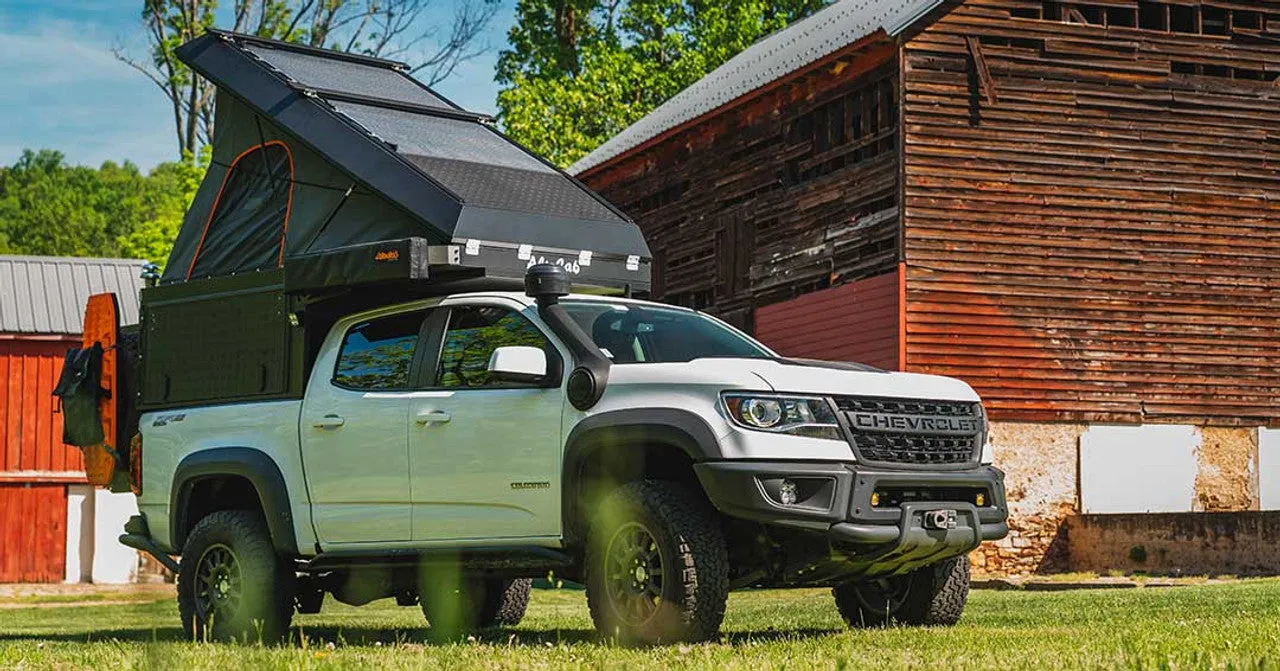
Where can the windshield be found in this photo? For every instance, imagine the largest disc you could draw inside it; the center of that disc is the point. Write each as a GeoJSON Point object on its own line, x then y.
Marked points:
{"type": "Point", "coordinates": [631, 333]}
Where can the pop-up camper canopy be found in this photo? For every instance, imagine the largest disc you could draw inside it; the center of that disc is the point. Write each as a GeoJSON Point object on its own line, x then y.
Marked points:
{"type": "Point", "coordinates": [321, 159]}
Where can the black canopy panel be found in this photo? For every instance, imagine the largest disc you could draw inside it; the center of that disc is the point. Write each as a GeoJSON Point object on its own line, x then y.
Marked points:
{"type": "Point", "coordinates": [316, 150]}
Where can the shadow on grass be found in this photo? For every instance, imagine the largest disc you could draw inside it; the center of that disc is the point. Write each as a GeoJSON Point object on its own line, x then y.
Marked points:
{"type": "Point", "coordinates": [370, 636]}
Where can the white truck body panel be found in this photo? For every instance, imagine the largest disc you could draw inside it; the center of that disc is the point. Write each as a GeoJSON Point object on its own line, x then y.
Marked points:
{"type": "Point", "coordinates": [169, 436]}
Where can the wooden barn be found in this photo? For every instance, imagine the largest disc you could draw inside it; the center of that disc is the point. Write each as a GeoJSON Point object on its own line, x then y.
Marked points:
{"type": "Point", "coordinates": [1074, 206]}
{"type": "Point", "coordinates": [53, 526]}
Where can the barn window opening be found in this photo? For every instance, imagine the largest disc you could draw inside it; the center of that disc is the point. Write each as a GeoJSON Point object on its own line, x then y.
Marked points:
{"type": "Point", "coordinates": [1123, 17]}
{"type": "Point", "coordinates": [1153, 16]}
{"type": "Point", "coordinates": [1036, 13]}
{"type": "Point", "coordinates": [1246, 20]}
{"type": "Point", "coordinates": [246, 227]}
{"type": "Point", "coordinates": [1183, 19]}
{"type": "Point", "coordinates": [1213, 20]}
{"type": "Point", "coordinates": [1096, 16]}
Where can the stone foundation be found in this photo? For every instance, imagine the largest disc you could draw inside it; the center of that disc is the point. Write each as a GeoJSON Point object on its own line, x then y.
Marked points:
{"type": "Point", "coordinates": [1224, 543]}
{"type": "Point", "coordinates": [1048, 533]}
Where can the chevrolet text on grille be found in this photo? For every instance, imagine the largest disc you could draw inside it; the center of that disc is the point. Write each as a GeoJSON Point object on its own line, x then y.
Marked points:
{"type": "Point", "coordinates": [868, 421]}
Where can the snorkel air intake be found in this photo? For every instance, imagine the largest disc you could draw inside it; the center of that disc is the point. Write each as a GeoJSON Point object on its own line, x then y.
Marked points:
{"type": "Point", "coordinates": [546, 283]}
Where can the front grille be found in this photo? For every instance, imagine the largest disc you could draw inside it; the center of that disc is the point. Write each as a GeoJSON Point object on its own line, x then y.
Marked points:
{"type": "Point", "coordinates": [913, 432]}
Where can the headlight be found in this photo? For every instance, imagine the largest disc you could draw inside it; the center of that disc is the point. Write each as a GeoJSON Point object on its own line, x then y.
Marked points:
{"type": "Point", "coordinates": [792, 415]}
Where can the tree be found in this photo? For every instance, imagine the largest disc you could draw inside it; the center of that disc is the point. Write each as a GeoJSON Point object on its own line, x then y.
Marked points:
{"type": "Point", "coordinates": [385, 28]}
{"type": "Point", "coordinates": [50, 208]}
{"type": "Point", "coordinates": [577, 72]}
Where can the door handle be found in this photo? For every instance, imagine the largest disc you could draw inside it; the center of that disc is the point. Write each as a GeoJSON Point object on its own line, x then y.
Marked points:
{"type": "Point", "coordinates": [329, 422]}
{"type": "Point", "coordinates": [433, 417]}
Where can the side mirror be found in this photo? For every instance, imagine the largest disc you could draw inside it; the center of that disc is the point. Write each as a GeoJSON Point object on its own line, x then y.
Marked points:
{"type": "Point", "coordinates": [518, 364]}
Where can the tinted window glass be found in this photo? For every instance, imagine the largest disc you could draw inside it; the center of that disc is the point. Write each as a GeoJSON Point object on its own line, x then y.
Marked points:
{"type": "Point", "coordinates": [474, 333]}
{"type": "Point", "coordinates": [377, 354]}
{"type": "Point", "coordinates": [631, 333]}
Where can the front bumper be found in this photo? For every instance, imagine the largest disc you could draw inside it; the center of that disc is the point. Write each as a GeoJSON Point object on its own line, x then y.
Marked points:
{"type": "Point", "coordinates": [835, 501]}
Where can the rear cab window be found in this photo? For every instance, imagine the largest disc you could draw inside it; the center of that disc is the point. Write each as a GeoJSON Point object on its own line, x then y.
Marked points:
{"type": "Point", "coordinates": [377, 354]}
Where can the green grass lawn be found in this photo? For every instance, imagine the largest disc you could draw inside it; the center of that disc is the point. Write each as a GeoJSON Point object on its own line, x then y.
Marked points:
{"type": "Point", "coordinates": [1229, 626]}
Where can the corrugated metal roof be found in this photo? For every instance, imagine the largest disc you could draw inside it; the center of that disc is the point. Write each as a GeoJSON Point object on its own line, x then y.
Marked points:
{"type": "Point", "coordinates": [47, 294]}
{"type": "Point", "coordinates": [796, 46]}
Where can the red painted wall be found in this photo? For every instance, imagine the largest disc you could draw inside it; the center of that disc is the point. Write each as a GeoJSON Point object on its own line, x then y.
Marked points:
{"type": "Point", "coordinates": [30, 429]}
{"type": "Point", "coordinates": [33, 532]}
{"type": "Point", "coordinates": [859, 321]}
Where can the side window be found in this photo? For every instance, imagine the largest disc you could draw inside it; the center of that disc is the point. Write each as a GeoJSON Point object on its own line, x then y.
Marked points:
{"type": "Point", "coordinates": [377, 354]}
{"type": "Point", "coordinates": [474, 333]}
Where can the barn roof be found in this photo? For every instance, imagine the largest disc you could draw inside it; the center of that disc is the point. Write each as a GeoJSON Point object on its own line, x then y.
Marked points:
{"type": "Point", "coordinates": [801, 44]}
{"type": "Point", "coordinates": [46, 294]}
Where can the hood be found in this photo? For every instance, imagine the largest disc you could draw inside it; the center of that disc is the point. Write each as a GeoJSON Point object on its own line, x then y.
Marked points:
{"type": "Point", "coordinates": [836, 379]}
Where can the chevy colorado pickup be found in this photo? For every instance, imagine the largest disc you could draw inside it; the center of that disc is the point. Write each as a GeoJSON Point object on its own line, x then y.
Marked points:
{"type": "Point", "coordinates": [393, 354]}
{"type": "Point", "coordinates": [444, 453]}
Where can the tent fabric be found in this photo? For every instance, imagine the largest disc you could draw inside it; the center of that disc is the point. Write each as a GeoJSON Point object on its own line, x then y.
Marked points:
{"type": "Point", "coordinates": [372, 155]}
{"type": "Point", "coordinates": [247, 225]}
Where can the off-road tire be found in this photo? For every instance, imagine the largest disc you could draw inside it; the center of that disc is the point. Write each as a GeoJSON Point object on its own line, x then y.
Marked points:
{"type": "Point", "coordinates": [475, 605]}
{"type": "Point", "coordinates": [267, 584]}
{"type": "Point", "coordinates": [935, 596]}
{"type": "Point", "coordinates": [693, 554]}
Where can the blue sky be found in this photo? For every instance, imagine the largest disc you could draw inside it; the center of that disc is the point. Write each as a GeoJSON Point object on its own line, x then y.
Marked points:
{"type": "Point", "coordinates": [61, 87]}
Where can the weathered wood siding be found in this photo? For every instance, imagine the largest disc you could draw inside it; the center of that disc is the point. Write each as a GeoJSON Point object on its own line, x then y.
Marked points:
{"type": "Point", "coordinates": [795, 190]}
{"type": "Point", "coordinates": [857, 321]}
{"type": "Point", "coordinates": [30, 428]}
{"type": "Point", "coordinates": [1092, 231]}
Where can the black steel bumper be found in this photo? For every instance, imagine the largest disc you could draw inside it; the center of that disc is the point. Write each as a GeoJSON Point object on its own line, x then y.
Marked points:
{"type": "Point", "coordinates": [835, 500]}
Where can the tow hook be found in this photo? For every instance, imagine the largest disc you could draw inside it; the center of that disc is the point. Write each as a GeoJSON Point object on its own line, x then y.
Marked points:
{"type": "Point", "coordinates": [939, 519]}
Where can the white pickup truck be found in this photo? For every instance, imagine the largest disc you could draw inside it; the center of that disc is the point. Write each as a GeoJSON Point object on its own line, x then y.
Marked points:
{"type": "Point", "coordinates": [446, 450]}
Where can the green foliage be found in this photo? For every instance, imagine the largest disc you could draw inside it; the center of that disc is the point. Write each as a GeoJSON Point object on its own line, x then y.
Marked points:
{"type": "Point", "coordinates": [576, 72]}
{"type": "Point", "coordinates": [50, 208]}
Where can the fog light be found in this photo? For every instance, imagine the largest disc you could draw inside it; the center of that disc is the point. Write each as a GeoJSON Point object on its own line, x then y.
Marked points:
{"type": "Point", "coordinates": [787, 493]}
{"type": "Point", "coordinates": [980, 499]}
{"type": "Point", "coordinates": [875, 498]}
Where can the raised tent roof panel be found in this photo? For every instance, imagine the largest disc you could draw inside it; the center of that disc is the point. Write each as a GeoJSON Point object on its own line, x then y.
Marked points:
{"type": "Point", "coordinates": [374, 155]}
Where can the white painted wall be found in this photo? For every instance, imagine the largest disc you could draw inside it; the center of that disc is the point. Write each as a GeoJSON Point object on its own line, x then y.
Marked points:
{"type": "Point", "coordinates": [1269, 468]}
{"type": "Point", "coordinates": [79, 559]}
{"type": "Point", "coordinates": [1138, 469]}
{"type": "Point", "coordinates": [113, 563]}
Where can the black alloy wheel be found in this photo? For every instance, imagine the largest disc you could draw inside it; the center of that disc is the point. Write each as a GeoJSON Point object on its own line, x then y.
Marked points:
{"type": "Point", "coordinates": [219, 585]}
{"type": "Point", "coordinates": [634, 574]}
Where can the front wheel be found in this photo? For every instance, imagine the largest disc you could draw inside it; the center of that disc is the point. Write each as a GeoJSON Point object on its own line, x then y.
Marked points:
{"type": "Point", "coordinates": [933, 595]}
{"type": "Point", "coordinates": [657, 568]}
{"type": "Point", "coordinates": [231, 585]}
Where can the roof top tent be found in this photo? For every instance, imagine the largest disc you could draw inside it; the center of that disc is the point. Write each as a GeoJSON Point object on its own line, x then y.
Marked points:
{"type": "Point", "coordinates": [317, 151]}
{"type": "Point", "coordinates": [339, 181]}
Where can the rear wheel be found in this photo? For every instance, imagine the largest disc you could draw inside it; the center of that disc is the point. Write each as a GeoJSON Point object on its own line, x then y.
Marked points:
{"type": "Point", "coordinates": [656, 566]}
{"type": "Point", "coordinates": [455, 608]}
{"type": "Point", "coordinates": [232, 586]}
{"type": "Point", "coordinates": [933, 595]}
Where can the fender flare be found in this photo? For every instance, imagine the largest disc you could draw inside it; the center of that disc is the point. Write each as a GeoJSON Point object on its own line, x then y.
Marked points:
{"type": "Point", "coordinates": [253, 465]}
{"type": "Point", "coordinates": [682, 429]}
